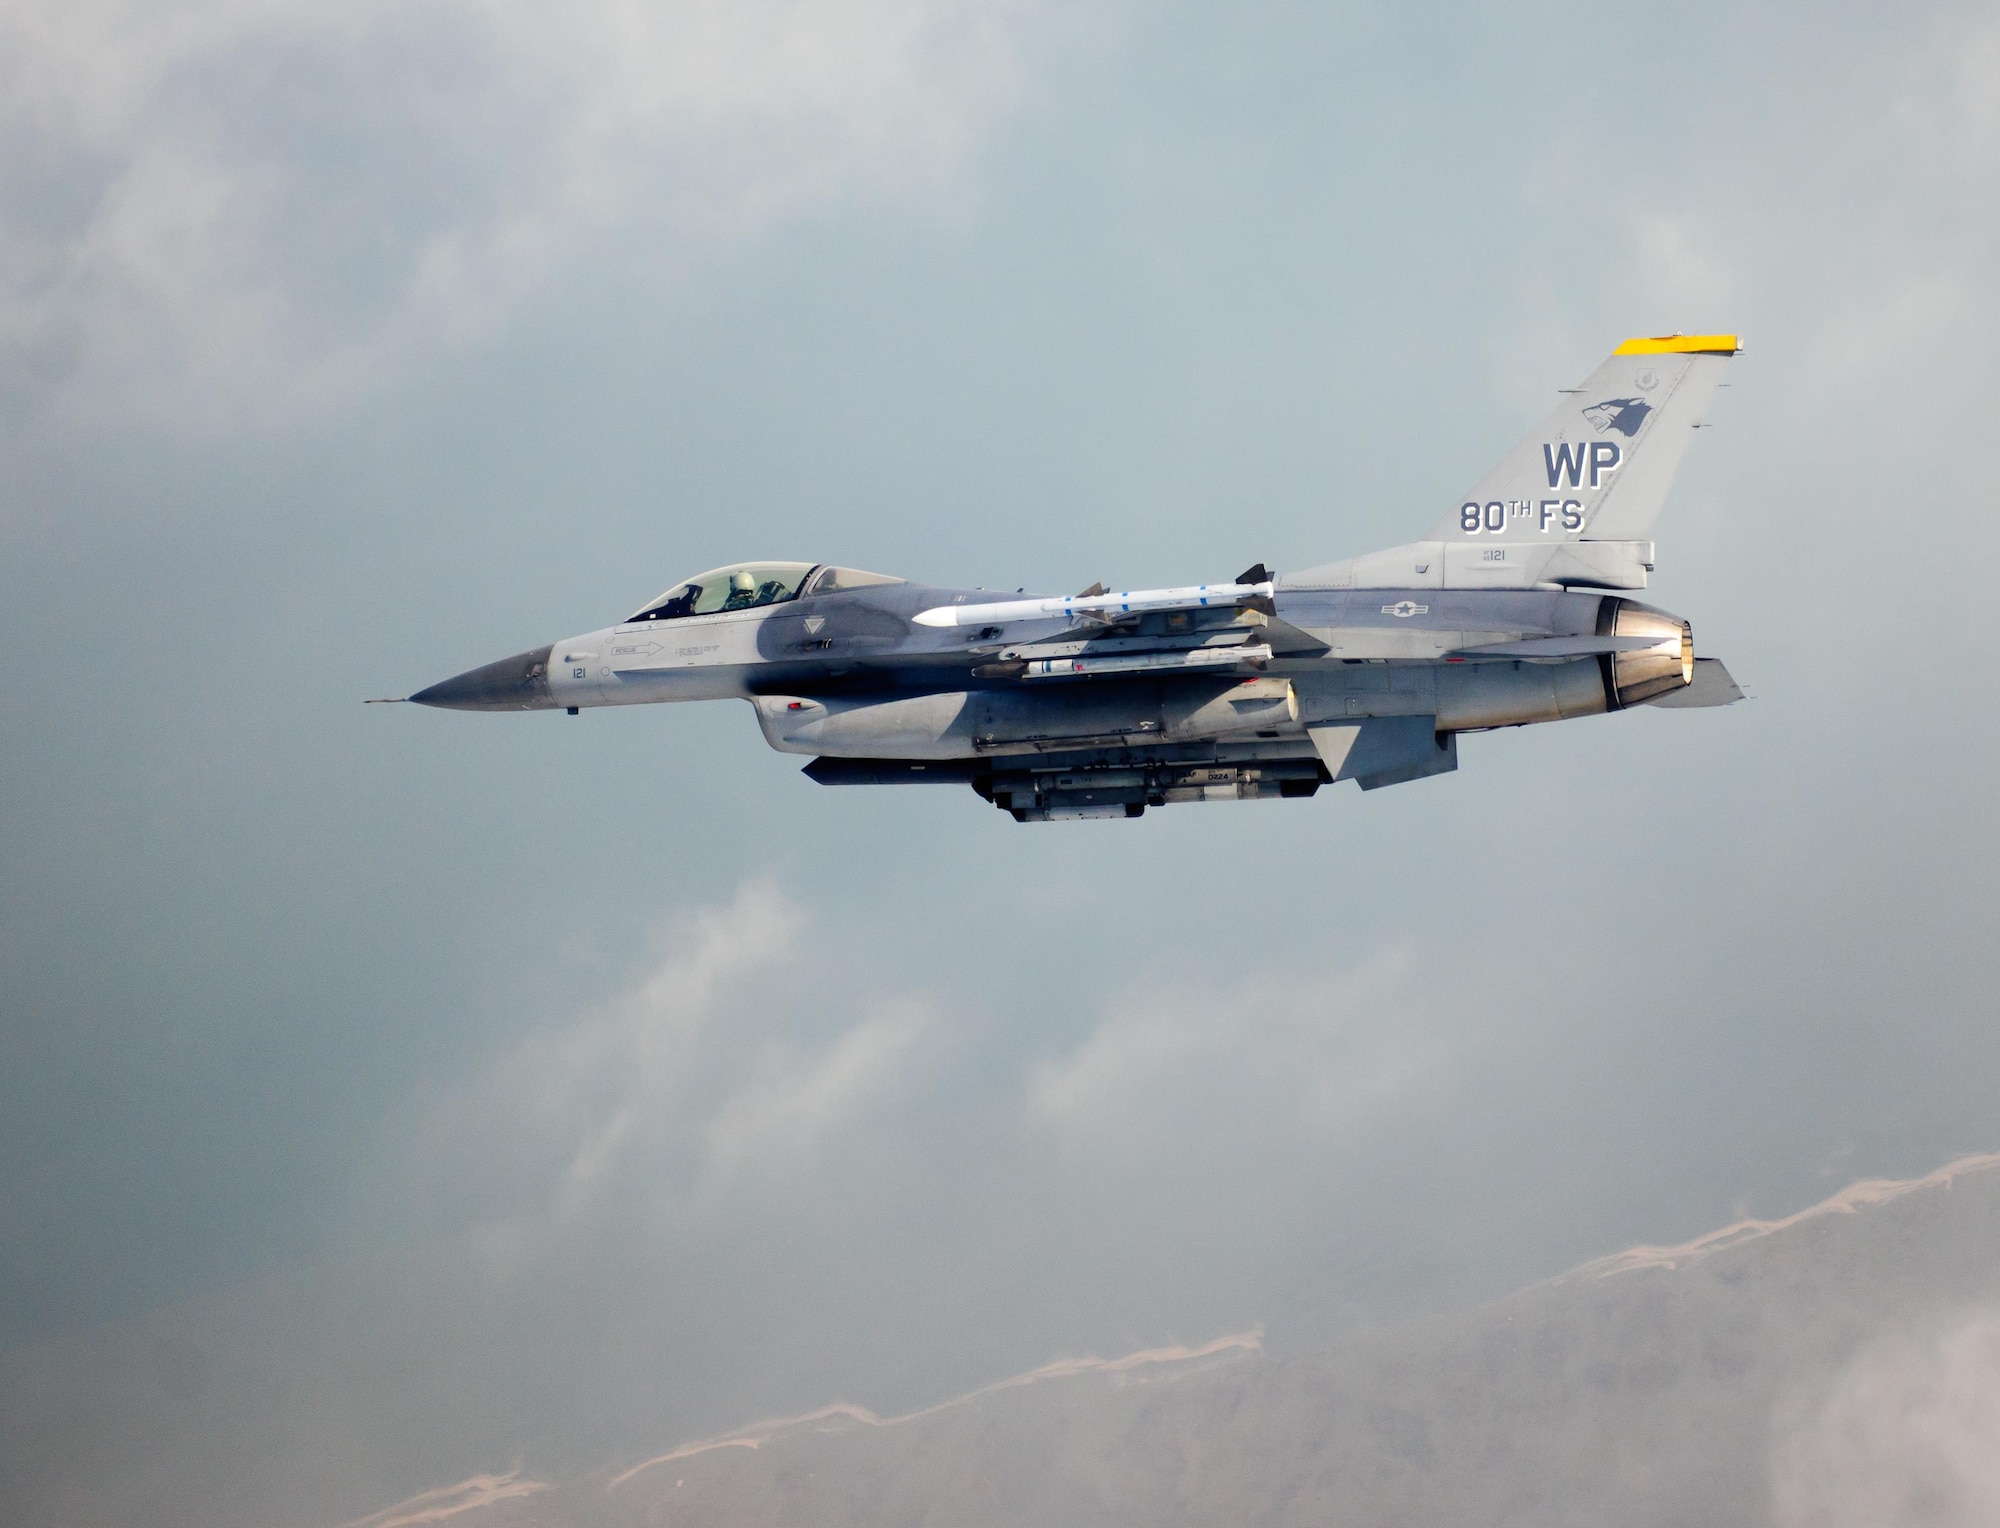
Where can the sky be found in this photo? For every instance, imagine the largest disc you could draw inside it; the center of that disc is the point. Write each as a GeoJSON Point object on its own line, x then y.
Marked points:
{"type": "Point", "coordinates": [388, 1095]}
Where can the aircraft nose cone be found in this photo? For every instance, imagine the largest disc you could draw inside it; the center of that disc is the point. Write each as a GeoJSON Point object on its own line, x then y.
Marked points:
{"type": "Point", "coordinates": [519, 683]}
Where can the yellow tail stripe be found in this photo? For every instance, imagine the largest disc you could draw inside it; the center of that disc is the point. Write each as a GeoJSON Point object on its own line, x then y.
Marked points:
{"type": "Point", "coordinates": [1680, 344]}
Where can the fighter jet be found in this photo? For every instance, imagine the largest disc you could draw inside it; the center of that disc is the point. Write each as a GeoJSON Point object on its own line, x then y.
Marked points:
{"type": "Point", "coordinates": [1102, 704]}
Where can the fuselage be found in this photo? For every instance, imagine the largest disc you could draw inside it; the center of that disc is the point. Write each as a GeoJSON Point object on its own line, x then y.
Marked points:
{"type": "Point", "coordinates": [1273, 698]}
{"type": "Point", "coordinates": [1096, 703]}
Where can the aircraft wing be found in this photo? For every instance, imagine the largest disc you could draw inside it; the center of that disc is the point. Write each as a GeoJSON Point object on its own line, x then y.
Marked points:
{"type": "Point", "coordinates": [1556, 647]}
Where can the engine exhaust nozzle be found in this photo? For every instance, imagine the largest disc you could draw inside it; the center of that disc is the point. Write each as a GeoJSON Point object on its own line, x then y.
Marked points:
{"type": "Point", "coordinates": [1639, 675]}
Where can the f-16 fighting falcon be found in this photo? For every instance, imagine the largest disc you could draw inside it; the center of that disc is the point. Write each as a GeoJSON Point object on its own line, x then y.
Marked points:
{"type": "Point", "coordinates": [1102, 704]}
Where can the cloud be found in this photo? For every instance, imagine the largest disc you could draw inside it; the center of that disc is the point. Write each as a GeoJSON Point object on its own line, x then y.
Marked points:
{"type": "Point", "coordinates": [635, 1056]}
{"type": "Point", "coordinates": [1306, 1053]}
{"type": "Point", "coordinates": [712, 1071]}
{"type": "Point", "coordinates": [561, 1115]}
{"type": "Point", "coordinates": [696, 1104]}
{"type": "Point", "coordinates": [261, 204]}
{"type": "Point", "coordinates": [1908, 1435]}
{"type": "Point", "coordinates": [793, 1104]}
{"type": "Point", "coordinates": [1977, 96]}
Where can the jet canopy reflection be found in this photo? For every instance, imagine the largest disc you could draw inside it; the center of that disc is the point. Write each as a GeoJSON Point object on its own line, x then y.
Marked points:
{"type": "Point", "coordinates": [750, 585]}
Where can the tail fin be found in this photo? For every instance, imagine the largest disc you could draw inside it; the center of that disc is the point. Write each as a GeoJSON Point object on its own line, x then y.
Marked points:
{"type": "Point", "coordinates": [1597, 470]}
{"type": "Point", "coordinates": [1599, 467]}
{"type": "Point", "coordinates": [1575, 502]}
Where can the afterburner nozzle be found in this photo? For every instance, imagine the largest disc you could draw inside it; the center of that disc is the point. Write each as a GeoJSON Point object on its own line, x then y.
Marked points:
{"type": "Point", "coordinates": [1639, 675]}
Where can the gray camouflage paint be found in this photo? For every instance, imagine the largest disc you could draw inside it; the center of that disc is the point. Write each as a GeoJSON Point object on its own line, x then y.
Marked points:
{"type": "Point", "coordinates": [1364, 670]}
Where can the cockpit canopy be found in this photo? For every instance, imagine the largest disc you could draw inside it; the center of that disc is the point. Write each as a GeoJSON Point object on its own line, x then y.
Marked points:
{"type": "Point", "coordinates": [747, 585]}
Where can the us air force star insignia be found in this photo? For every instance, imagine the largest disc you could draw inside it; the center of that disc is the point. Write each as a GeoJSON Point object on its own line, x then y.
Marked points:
{"type": "Point", "coordinates": [813, 624]}
{"type": "Point", "coordinates": [1404, 609]}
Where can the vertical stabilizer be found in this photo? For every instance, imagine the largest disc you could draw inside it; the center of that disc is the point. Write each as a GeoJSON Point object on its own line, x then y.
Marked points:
{"type": "Point", "coordinates": [1574, 503]}
{"type": "Point", "coordinates": [1599, 467]}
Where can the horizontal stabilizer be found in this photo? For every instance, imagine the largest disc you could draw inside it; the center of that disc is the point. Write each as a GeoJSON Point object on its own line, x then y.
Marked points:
{"type": "Point", "coordinates": [1384, 750]}
{"type": "Point", "coordinates": [1560, 647]}
{"type": "Point", "coordinates": [1711, 686]}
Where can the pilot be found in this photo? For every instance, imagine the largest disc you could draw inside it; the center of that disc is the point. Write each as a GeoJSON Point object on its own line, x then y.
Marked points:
{"type": "Point", "coordinates": [742, 590]}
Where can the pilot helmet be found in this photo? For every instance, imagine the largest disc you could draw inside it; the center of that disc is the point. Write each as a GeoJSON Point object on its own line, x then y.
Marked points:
{"type": "Point", "coordinates": [744, 582]}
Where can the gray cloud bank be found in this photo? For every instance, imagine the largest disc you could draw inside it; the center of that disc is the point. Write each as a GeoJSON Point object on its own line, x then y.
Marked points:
{"type": "Point", "coordinates": [388, 1097]}
{"type": "Point", "coordinates": [250, 205]}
